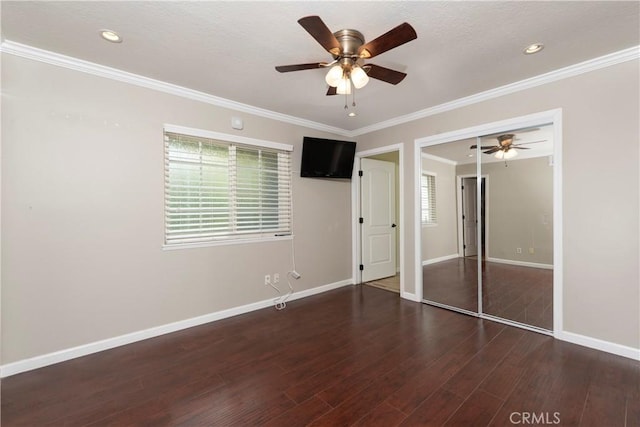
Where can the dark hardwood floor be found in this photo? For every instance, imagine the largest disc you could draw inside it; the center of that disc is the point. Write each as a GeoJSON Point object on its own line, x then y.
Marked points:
{"type": "Point", "coordinates": [354, 356]}
{"type": "Point", "coordinates": [521, 294]}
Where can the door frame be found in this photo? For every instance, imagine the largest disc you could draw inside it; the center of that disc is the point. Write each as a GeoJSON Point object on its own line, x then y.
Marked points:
{"type": "Point", "coordinates": [459, 215]}
{"type": "Point", "coordinates": [553, 117]}
{"type": "Point", "coordinates": [356, 237]}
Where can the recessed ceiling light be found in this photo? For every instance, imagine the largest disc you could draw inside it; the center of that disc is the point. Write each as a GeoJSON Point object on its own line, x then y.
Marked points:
{"type": "Point", "coordinates": [533, 48]}
{"type": "Point", "coordinates": [352, 114]}
{"type": "Point", "coordinates": [110, 36]}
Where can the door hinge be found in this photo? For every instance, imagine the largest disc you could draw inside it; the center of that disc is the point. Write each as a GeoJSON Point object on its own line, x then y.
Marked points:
{"type": "Point", "coordinates": [361, 267]}
{"type": "Point", "coordinates": [359, 173]}
{"type": "Point", "coordinates": [464, 246]}
{"type": "Point", "coordinates": [361, 220]}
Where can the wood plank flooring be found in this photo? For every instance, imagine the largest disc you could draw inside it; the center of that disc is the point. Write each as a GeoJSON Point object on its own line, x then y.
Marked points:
{"type": "Point", "coordinates": [356, 356]}
{"type": "Point", "coordinates": [521, 294]}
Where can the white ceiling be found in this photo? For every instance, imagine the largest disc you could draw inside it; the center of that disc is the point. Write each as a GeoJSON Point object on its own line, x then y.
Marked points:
{"type": "Point", "coordinates": [229, 49]}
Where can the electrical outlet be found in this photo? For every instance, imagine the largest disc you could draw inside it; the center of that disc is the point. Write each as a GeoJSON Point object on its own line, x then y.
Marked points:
{"type": "Point", "coordinates": [532, 251]}
{"type": "Point", "coordinates": [276, 278]}
{"type": "Point", "coordinates": [518, 250]}
{"type": "Point", "coordinates": [267, 279]}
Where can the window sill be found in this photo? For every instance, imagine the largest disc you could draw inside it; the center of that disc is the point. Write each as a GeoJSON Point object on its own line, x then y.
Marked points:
{"type": "Point", "coordinates": [177, 246]}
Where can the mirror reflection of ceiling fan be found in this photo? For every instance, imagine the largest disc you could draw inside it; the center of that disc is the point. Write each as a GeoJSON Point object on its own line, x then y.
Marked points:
{"type": "Point", "coordinates": [349, 51]}
{"type": "Point", "coordinates": [505, 148]}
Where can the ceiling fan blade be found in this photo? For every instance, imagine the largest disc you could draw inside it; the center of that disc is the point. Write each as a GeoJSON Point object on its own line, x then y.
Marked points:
{"type": "Point", "coordinates": [493, 150]}
{"type": "Point", "coordinates": [399, 35]}
{"type": "Point", "coordinates": [332, 91]}
{"type": "Point", "coordinates": [298, 67]}
{"type": "Point", "coordinates": [482, 147]}
{"type": "Point", "coordinates": [520, 148]}
{"type": "Point", "coordinates": [385, 74]}
{"type": "Point", "coordinates": [320, 32]}
{"type": "Point", "coordinates": [531, 142]}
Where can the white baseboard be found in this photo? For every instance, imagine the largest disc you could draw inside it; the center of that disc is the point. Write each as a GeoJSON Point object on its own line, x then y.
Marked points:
{"type": "Point", "coordinates": [597, 344]}
{"type": "Point", "coordinates": [521, 263]}
{"type": "Point", "coordinates": [439, 259]}
{"type": "Point", "coordinates": [106, 344]}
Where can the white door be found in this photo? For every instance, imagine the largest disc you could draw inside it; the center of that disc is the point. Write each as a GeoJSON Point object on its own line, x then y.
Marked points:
{"type": "Point", "coordinates": [378, 213]}
{"type": "Point", "coordinates": [469, 216]}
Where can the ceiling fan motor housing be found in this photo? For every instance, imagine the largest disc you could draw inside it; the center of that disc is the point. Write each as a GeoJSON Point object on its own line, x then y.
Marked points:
{"type": "Point", "coordinates": [350, 41]}
{"type": "Point", "coordinates": [506, 140]}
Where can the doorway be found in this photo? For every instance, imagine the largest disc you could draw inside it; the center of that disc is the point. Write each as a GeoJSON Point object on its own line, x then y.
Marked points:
{"type": "Point", "coordinates": [468, 221]}
{"type": "Point", "coordinates": [377, 217]}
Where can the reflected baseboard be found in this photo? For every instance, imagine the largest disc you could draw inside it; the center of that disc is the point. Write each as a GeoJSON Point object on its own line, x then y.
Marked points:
{"type": "Point", "coordinates": [521, 263]}
{"type": "Point", "coordinates": [439, 259]}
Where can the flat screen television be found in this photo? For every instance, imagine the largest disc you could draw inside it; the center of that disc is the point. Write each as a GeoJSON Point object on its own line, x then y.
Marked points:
{"type": "Point", "coordinates": [327, 158]}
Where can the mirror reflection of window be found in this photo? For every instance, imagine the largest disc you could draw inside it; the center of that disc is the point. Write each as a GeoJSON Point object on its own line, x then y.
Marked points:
{"type": "Point", "coordinates": [428, 193]}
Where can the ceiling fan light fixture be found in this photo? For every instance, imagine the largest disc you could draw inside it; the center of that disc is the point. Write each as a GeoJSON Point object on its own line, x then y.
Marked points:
{"type": "Point", "coordinates": [344, 87]}
{"type": "Point", "coordinates": [506, 155]}
{"type": "Point", "coordinates": [334, 75]}
{"type": "Point", "coordinates": [533, 48]}
{"type": "Point", "coordinates": [359, 77]}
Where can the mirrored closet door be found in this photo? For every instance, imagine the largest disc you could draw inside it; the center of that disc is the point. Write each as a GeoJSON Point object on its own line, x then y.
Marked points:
{"type": "Point", "coordinates": [449, 239]}
{"type": "Point", "coordinates": [517, 269]}
{"type": "Point", "coordinates": [487, 205]}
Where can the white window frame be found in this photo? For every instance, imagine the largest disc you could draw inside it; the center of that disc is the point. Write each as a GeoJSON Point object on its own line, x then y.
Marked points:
{"type": "Point", "coordinates": [232, 140]}
{"type": "Point", "coordinates": [434, 206]}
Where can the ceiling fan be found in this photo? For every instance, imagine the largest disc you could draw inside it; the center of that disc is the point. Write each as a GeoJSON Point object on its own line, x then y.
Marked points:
{"type": "Point", "coordinates": [349, 51]}
{"type": "Point", "coordinates": [505, 148]}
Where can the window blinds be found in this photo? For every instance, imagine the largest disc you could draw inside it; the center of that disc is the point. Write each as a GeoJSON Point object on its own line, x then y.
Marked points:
{"type": "Point", "coordinates": [428, 195]}
{"type": "Point", "coordinates": [217, 190]}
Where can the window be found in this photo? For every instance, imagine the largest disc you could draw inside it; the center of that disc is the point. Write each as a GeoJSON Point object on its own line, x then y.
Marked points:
{"type": "Point", "coordinates": [428, 194]}
{"type": "Point", "coordinates": [219, 189]}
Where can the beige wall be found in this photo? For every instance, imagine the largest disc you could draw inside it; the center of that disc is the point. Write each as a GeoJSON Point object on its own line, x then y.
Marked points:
{"type": "Point", "coordinates": [441, 240]}
{"type": "Point", "coordinates": [519, 209]}
{"type": "Point", "coordinates": [82, 214]}
{"type": "Point", "coordinates": [600, 256]}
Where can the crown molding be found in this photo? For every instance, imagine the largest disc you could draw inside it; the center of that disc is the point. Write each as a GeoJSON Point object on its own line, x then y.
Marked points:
{"type": "Point", "coordinates": [625, 55]}
{"type": "Point", "coordinates": [52, 58]}
{"type": "Point", "coordinates": [29, 52]}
